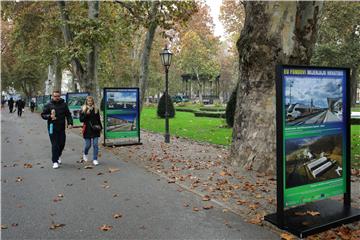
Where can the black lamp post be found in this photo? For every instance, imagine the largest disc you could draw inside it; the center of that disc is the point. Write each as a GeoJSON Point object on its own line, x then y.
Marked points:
{"type": "Point", "coordinates": [166, 61]}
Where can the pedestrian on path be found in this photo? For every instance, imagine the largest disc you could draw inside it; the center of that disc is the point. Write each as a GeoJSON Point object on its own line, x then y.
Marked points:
{"type": "Point", "coordinates": [32, 105]}
{"type": "Point", "coordinates": [55, 113]}
{"type": "Point", "coordinates": [11, 104]}
{"type": "Point", "coordinates": [92, 126]}
{"type": "Point", "coordinates": [20, 104]}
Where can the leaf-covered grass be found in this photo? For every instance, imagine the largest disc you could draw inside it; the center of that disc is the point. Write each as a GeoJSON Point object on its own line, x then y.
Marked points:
{"type": "Point", "coordinates": [185, 124]}
{"type": "Point", "coordinates": [355, 146]}
{"type": "Point", "coordinates": [212, 130]}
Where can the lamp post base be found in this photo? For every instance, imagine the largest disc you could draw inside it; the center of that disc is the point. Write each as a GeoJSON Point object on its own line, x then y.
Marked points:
{"type": "Point", "coordinates": [167, 137]}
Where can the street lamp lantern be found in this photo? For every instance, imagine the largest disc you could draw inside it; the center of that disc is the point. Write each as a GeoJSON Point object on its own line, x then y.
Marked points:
{"type": "Point", "coordinates": [166, 55]}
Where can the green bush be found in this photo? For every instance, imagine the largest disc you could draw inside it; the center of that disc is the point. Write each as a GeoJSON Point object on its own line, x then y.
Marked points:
{"type": "Point", "coordinates": [182, 109]}
{"type": "Point", "coordinates": [212, 109]}
{"type": "Point", "coordinates": [230, 109]}
{"type": "Point", "coordinates": [209, 114]}
{"type": "Point", "coordinates": [161, 107]}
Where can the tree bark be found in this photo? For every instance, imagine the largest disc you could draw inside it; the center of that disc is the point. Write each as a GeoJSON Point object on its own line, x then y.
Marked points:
{"type": "Point", "coordinates": [274, 33]}
{"type": "Point", "coordinates": [78, 69]}
{"type": "Point", "coordinates": [91, 84]}
{"type": "Point", "coordinates": [353, 86]}
{"type": "Point", "coordinates": [145, 57]}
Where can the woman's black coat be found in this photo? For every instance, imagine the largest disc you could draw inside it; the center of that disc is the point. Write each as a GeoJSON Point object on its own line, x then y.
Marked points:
{"type": "Point", "coordinates": [88, 120]}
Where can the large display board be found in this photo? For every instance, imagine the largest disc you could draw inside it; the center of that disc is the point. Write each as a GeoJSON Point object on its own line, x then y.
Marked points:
{"type": "Point", "coordinates": [41, 101]}
{"type": "Point", "coordinates": [75, 101]}
{"type": "Point", "coordinates": [121, 115]}
{"type": "Point", "coordinates": [315, 133]}
{"type": "Point", "coordinates": [313, 149]}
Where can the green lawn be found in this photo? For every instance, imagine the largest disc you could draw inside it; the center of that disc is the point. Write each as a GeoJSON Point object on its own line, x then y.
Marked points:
{"type": "Point", "coordinates": [212, 130]}
{"type": "Point", "coordinates": [355, 146]}
{"type": "Point", "coordinates": [185, 124]}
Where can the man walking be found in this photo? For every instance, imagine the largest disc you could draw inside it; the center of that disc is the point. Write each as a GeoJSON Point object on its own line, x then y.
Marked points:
{"type": "Point", "coordinates": [11, 104]}
{"type": "Point", "coordinates": [20, 104]}
{"type": "Point", "coordinates": [55, 113]}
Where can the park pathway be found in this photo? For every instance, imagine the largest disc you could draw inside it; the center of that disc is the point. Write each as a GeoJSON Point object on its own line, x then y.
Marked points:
{"type": "Point", "coordinates": [76, 201]}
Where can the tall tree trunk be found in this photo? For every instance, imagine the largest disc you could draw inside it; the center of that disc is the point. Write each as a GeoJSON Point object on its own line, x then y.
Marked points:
{"type": "Point", "coordinates": [91, 84]}
{"type": "Point", "coordinates": [78, 69]}
{"type": "Point", "coordinates": [145, 57]}
{"type": "Point", "coordinates": [353, 86]}
{"type": "Point", "coordinates": [58, 72]}
{"type": "Point", "coordinates": [200, 86]}
{"type": "Point", "coordinates": [274, 33]}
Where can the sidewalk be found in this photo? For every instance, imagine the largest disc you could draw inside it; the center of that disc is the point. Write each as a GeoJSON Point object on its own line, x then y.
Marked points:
{"type": "Point", "coordinates": [203, 169]}
{"type": "Point", "coordinates": [78, 202]}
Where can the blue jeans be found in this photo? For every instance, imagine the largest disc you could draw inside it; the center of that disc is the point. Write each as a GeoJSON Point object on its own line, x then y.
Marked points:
{"type": "Point", "coordinates": [87, 146]}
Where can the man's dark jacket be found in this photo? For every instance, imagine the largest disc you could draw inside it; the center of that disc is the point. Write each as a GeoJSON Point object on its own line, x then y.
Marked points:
{"type": "Point", "coordinates": [61, 111]}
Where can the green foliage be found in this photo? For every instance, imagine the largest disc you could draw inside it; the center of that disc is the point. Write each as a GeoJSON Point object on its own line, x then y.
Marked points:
{"type": "Point", "coordinates": [211, 114]}
{"type": "Point", "coordinates": [161, 107]}
{"type": "Point", "coordinates": [355, 146]}
{"type": "Point", "coordinates": [230, 109]}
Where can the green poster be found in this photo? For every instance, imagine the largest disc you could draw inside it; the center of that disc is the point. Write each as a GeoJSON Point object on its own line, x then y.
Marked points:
{"type": "Point", "coordinates": [314, 133]}
{"type": "Point", "coordinates": [121, 113]}
{"type": "Point", "coordinates": [75, 101]}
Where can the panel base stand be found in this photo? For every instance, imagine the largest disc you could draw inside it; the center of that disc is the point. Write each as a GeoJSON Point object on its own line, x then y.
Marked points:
{"type": "Point", "coordinates": [332, 214]}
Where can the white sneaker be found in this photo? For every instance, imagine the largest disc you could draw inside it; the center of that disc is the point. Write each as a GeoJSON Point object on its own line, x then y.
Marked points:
{"type": "Point", "coordinates": [55, 165]}
{"type": "Point", "coordinates": [95, 162]}
{"type": "Point", "coordinates": [59, 160]}
{"type": "Point", "coordinates": [85, 158]}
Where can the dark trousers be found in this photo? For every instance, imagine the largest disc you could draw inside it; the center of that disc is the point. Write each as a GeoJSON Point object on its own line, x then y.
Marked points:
{"type": "Point", "coordinates": [57, 139]}
{"type": "Point", "coordinates": [11, 109]}
{"type": "Point", "coordinates": [20, 112]}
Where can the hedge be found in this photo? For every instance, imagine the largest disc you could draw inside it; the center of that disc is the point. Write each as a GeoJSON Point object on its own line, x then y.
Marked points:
{"type": "Point", "coordinates": [212, 109]}
{"type": "Point", "coordinates": [185, 110]}
{"type": "Point", "coordinates": [209, 114]}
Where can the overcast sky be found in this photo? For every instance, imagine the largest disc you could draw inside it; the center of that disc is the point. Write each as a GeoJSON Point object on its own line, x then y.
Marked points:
{"type": "Point", "coordinates": [319, 89]}
{"type": "Point", "coordinates": [215, 12]}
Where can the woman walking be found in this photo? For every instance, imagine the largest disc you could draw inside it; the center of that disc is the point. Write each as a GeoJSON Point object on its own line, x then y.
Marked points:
{"type": "Point", "coordinates": [92, 126]}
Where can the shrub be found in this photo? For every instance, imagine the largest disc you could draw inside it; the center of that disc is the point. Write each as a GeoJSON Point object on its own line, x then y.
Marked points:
{"type": "Point", "coordinates": [161, 107]}
{"type": "Point", "coordinates": [209, 114]}
{"type": "Point", "coordinates": [212, 109]}
{"type": "Point", "coordinates": [182, 109]}
{"type": "Point", "coordinates": [230, 109]}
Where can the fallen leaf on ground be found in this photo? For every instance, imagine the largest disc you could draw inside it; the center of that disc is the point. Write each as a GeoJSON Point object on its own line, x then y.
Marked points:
{"type": "Point", "coordinates": [56, 225]}
{"type": "Point", "coordinates": [115, 195]}
{"type": "Point", "coordinates": [195, 209]}
{"type": "Point", "coordinates": [207, 207]}
{"type": "Point", "coordinates": [241, 202]}
{"type": "Point", "coordinates": [83, 178]}
{"type": "Point", "coordinates": [256, 220]}
{"type": "Point", "coordinates": [112, 170]}
{"type": "Point", "coordinates": [206, 198]}
{"type": "Point", "coordinates": [186, 204]}
{"type": "Point", "coordinates": [100, 173]}
{"type": "Point", "coordinates": [225, 210]}
{"type": "Point", "coordinates": [3, 226]}
{"type": "Point", "coordinates": [287, 236]}
{"type": "Point", "coordinates": [14, 224]}
{"type": "Point", "coordinates": [60, 195]}
{"type": "Point", "coordinates": [171, 181]}
{"type": "Point", "coordinates": [105, 228]}
{"type": "Point", "coordinates": [19, 179]}
{"type": "Point", "coordinates": [117, 216]}
{"type": "Point", "coordinates": [27, 165]}
{"type": "Point", "coordinates": [300, 213]}
{"type": "Point", "coordinates": [88, 167]}
{"type": "Point", "coordinates": [313, 213]}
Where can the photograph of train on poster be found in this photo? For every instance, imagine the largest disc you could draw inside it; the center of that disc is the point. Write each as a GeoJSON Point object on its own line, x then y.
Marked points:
{"type": "Point", "coordinates": [122, 100]}
{"type": "Point", "coordinates": [313, 159]}
{"type": "Point", "coordinates": [121, 122]}
{"type": "Point", "coordinates": [313, 100]}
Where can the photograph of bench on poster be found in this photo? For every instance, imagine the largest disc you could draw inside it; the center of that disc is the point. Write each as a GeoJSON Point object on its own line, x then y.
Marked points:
{"type": "Point", "coordinates": [313, 100]}
{"type": "Point", "coordinates": [313, 159]}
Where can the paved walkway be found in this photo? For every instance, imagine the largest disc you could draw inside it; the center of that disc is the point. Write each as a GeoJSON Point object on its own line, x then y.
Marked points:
{"type": "Point", "coordinates": [78, 201]}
